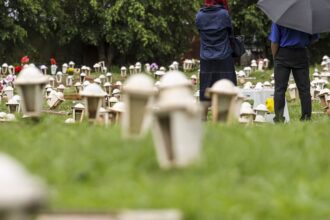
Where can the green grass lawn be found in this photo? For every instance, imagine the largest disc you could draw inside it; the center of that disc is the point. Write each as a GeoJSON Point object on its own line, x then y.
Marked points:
{"type": "Point", "coordinates": [257, 172]}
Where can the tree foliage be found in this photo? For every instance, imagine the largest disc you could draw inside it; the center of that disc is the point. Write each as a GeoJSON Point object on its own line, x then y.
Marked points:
{"type": "Point", "coordinates": [20, 20]}
{"type": "Point", "coordinates": [124, 30]}
{"type": "Point", "coordinates": [249, 20]}
{"type": "Point", "coordinates": [121, 30]}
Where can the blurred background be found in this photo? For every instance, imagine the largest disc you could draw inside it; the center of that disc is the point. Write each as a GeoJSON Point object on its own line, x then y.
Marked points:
{"type": "Point", "coordinates": [122, 31]}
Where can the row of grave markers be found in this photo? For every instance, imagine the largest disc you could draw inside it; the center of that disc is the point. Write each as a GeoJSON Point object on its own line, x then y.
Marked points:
{"type": "Point", "coordinates": [141, 99]}
{"type": "Point", "coordinates": [169, 107]}
{"type": "Point", "coordinates": [135, 108]}
{"type": "Point", "coordinates": [54, 99]}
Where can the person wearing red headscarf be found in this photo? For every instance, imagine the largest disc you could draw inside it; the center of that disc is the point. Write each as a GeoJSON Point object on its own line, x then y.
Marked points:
{"type": "Point", "coordinates": [216, 61]}
{"type": "Point", "coordinates": [209, 3]}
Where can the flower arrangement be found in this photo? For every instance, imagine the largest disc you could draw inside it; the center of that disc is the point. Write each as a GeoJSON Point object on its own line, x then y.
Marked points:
{"type": "Point", "coordinates": [18, 69]}
{"type": "Point", "coordinates": [25, 60]}
{"type": "Point", "coordinates": [52, 61]}
{"type": "Point", "coordinates": [10, 78]}
{"type": "Point", "coordinates": [270, 105]}
{"type": "Point", "coordinates": [70, 71]}
{"type": "Point", "coordinates": [154, 67]}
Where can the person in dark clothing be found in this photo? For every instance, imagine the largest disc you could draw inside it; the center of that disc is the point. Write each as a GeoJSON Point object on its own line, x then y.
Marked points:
{"type": "Point", "coordinates": [289, 50]}
{"type": "Point", "coordinates": [216, 61]}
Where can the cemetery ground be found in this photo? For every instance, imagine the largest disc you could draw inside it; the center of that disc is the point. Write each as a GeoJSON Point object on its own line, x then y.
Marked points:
{"type": "Point", "coordinates": [257, 172]}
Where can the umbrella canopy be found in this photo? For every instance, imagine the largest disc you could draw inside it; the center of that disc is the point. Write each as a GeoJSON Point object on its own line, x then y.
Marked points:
{"type": "Point", "coordinates": [309, 16]}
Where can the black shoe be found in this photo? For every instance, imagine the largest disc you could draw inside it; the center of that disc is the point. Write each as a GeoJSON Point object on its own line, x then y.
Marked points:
{"type": "Point", "coordinates": [305, 118]}
{"type": "Point", "coordinates": [279, 119]}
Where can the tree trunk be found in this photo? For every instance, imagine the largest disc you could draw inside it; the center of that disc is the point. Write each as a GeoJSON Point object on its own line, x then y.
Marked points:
{"type": "Point", "coordinates": [101, 51]}
{"type": "Point", "coordinates": [109, 54]}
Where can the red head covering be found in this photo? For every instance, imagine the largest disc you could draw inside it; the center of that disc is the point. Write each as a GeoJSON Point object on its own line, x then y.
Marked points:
{"type": "Point", "coordinates": [209, 3]}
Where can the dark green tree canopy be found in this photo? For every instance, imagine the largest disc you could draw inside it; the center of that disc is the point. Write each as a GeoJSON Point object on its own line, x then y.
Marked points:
{"type": "Point", "coordinates": [120, 30]}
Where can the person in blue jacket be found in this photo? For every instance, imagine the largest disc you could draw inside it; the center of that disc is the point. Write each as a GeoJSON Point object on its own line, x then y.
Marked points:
{"type": "Point", "coordinates": [216, 61]}
{"type": "Point", "coordinates": [289, 50]}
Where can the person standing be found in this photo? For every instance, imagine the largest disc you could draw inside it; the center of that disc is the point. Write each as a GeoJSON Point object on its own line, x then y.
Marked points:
{"type": "Point", "coordinates": [216, 61]}
{"type": "Point", "coordinates": [289, 50]}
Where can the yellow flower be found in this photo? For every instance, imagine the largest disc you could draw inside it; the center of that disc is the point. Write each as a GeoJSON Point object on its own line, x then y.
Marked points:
{"type": "Point", "coordinates": [70, 71]}
{"type": "Point", "coordinates": [270, 105]}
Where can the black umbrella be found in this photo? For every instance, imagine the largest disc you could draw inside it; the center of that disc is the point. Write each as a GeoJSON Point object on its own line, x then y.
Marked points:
{"type": "Point", "coordinates": [310, 16]}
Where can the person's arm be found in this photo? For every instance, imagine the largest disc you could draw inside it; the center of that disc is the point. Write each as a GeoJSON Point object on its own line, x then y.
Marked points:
{"type": "Point", "coordinates": [230, 32]}
{"type": "Point", "coordinates": [198, 20]}
{"type": "Point", "coordinates": [275, 38]}
{"type": "Point", "coordinates": [274, 47]}
{"type": "Point", "coordinates": [228, 24]}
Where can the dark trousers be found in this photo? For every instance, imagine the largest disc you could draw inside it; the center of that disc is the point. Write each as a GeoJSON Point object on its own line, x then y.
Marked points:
{"type": "Point", "coordinates": [293, 60]}
{"type": "Point", "coordinates": [213, 71]}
